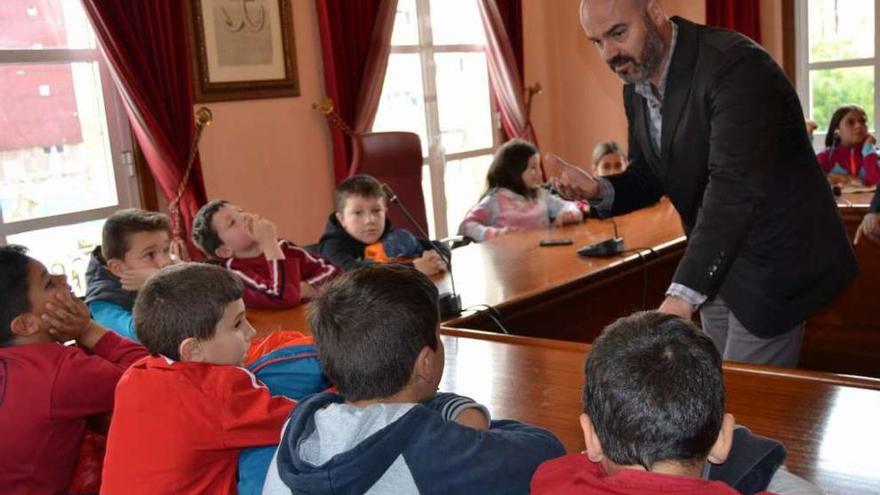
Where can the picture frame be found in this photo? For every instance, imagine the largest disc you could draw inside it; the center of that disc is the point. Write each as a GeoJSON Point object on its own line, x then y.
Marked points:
{"type": "Point", "coordinates": [242, 50]}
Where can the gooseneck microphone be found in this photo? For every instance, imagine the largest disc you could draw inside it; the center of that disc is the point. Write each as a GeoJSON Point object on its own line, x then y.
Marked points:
{"type": "Point", "coordinates": [450, 303]}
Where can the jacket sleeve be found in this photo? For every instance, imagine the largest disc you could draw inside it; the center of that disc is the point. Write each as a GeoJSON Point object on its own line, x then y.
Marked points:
{"type": "Point", "coordinates": [251, 416]}
{"type": "Point", "coordinates": [280, 289]}
{"type": "Point", "coordinates": [479, 221]}
{"type": "Point", "coordinates": [825, 160]}
{"type": "Point", "coordinates": [336, 250]}
{"type": "Point", "coordinates": [870, 165]}
{"type": "Point", "coordinates": [744, 143]}
{"type": "Point", "coordinates": [500, 460]}
{"type": "Point", "coordinates": [638, 186]}
{"type": "Point", "coordinates": [114, 317]}
{"type": "Point", "coordinates": [557, 205]}
{"type": "Point", "coordinates": [85, 384]}
{"type": "Point", "coordinates": [314, 270]}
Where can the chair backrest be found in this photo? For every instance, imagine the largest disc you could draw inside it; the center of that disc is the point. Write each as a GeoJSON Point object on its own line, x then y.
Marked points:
{"type": "Point", "coordinates": [394, 158]}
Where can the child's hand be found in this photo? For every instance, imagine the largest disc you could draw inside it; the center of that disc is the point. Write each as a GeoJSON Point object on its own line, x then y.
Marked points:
{"type": "Point", "coordinates": [67, 318]}
{"type": "Point", "coordinates": [430, 263]}
{"type": "Point", "coordinates": [264, 231]}
{"type": "Point", "coordinates": [135, 279]}
{"type": "Point", "coordinates": [567, 217]}
{"type": "Point", "coordinates": [871, 139]}
{"type": "Point", "coordinates": [306, 291]}
{"type": "Point", "coordinates": [179, 251]}
{"type": "Point", "coordinates": [473, 418]}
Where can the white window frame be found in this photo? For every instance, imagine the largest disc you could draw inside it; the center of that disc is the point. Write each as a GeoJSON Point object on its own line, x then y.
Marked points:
{"type": "Point", "coordinates": [437, 157]}
{"type": "Point", "coordinates": [118, 132]}
{"type": "Point", "coordinates": [803, 66]}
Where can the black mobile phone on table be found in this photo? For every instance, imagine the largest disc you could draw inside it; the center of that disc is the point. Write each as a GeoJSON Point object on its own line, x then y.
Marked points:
{"type": "Point", "coordinates": [555, 242]}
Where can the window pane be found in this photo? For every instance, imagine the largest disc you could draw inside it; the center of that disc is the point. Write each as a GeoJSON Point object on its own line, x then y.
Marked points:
{"type": "Point", "coordinates": [463, 101]}
{"type": "Point", "coordinates": [402, 106]}
{"type": "Point", "coordinates": [841, 30]}
{"type": "Point", "coordinates": [456, 22]}
{"type": "Point", "coordinates": [465, 181]}
{"type": "Point", "coordinates": [54, 150]}
{"type": "Point", "coordinates": [406, 24]}
{"type": "Point", "coordinates": [832, 88]}
{"type": "Point", "coordinates": [429, 200]}
{"type": "Point", "coordinates": [64, 249]}
{"type": "Point", "coordinates": [36, 24]}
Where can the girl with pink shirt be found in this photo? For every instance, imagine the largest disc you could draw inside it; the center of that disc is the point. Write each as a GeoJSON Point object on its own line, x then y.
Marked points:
{"type": "Point", "coordinates": [514, 198]}
{"type": "Point", "coordinates": [850, 149]}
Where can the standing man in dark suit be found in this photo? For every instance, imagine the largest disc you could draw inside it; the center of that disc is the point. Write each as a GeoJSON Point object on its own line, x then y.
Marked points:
{"type": "Point", "coordinates": [715, 125]}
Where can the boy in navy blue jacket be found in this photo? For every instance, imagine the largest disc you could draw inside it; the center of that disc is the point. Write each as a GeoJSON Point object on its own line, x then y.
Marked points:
{"type": "Point", "coordinates": [387, 430]}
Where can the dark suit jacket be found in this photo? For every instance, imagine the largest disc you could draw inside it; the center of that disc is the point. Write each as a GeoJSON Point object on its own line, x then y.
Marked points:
{"type": "Point", "coordinates": [763, 228]}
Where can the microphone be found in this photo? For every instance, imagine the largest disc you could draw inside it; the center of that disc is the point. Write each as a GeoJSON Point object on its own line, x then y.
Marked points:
{"type": "Point", "coordinates": [606, 248]}
{"type": "Point", "coordinates": [450, 303]}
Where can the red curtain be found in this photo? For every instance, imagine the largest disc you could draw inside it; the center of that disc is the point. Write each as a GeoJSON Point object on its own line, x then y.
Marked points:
{"type": "Point", "coordinates": [146, 45]}
{"type": "Point", "coordinates": [740, 15]}
{"type": "Point", "coordinates": [350, 31]}
{"type": "Point", "coordinates": [511, 15]}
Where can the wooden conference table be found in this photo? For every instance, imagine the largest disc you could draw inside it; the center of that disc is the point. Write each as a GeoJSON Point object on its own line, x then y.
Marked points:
{"type": "Point", "coordinates": [827, 422]}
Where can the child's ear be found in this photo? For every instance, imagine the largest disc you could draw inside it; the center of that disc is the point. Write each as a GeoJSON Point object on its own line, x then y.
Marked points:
{"type": "Point", "coordinates": [424, 366]}
{"type": "Point", "coordinates": [591, 440]}
{"type": "Point", "coordinates": [191, 350]}
{"type": "Point", "coordinates": [223, 252]}
{"type": "Point", "coordinates": [25, 325]}
{"type": "Point", "coordinates": [718, 453]}
{"type": "Point", "coordinates": [116, 266]}
{"type": "Point", "coordinates": [339, 217]}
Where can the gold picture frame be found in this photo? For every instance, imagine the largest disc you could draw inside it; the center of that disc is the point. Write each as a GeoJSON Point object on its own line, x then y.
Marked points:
{"type": "Point", "coordinates": [242, 50]}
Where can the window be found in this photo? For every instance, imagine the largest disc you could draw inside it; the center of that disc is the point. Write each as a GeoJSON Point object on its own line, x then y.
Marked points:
{"type": "Point", "coordinates": [65, 160]}
{"type": "Point", "coordinates": [837, 58]}
{"type": "Point", "coordinates": [437, 86]}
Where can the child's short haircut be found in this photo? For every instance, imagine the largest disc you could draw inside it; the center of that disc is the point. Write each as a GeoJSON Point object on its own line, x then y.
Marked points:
{"type": "Point", "coordinates": [654, 390]}
{"type": "Point", "coordinates": [204, 235]}
{"type": "Point", "coordinates": [370, 326]}
{"type": "Point", "coordinates": [121, 224]}
{"type": "Point", "coordinates": [183, 301]}
{"type": "Point", "coordinates": [604, 148]}
{"type": "Point", "coordinates": [508, 165]}
{"type": "Point", "coordinates": [357, 185]}
{"type": "Point", "coordinates": [13, 288]}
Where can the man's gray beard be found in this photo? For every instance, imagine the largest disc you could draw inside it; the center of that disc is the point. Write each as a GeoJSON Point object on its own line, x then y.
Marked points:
{"type": "Point", "coordinates": [652, 56]}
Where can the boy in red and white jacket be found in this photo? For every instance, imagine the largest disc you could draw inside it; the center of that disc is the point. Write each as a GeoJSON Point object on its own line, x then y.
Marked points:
{"type": "Point", "coordinates": [277, 273]}
{"type": "Point", "coordinates": [182, 416]}
{"type": "Point", "coordinates": [47, 390]}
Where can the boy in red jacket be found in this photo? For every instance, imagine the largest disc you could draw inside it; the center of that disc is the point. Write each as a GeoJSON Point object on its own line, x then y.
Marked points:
{"type": "Point", "coordinates": [182, 416]}
{"type": "Point", "coordinates": [654, 420]}
{"type": "Point", "coordinates": [276, 273]}
{"type": "Point", "coordinates": [47, 390]}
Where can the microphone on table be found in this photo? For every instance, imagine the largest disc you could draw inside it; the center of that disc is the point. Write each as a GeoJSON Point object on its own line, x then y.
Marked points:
{"type": "Point", "coordinates": [450, 303]}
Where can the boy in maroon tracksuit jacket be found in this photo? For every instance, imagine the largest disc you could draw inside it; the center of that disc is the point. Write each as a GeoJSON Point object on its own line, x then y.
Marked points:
{"type": "Point", "coordinates": [276, 273]}
{"type": "Point", "coordinates": [47, 390]}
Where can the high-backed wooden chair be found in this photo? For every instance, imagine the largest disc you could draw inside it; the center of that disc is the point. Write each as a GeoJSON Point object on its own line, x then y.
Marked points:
{"type": "Point", "coordinates": [394, 158]}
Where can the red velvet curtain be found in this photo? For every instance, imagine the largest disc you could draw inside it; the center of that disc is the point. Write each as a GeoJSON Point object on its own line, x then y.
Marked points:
{"type": "Point", "coordinates": [740, 15]}
{"type": "Point", "coordinates": [348, 29]}
{"type": "Point", "coordinates": [511, 15]}
{"type": "Point", "coordinates": [146, 45]}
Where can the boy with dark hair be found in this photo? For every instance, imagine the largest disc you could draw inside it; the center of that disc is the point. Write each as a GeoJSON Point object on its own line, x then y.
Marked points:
{"type": "Point", "coordinates": [135, 245]}
{"type": "Point", "coordinates": [359, 232]}
{"type": "Point", "coordinates": [276, 273]}
{"type": "Point", "coordinates": [654, 420]}
{"type": "Point", "coordinates": [47, 390]}
{"type": "Point", "coordinates": [387, 430]}
{"type": "Point", "coordinates": [183, 415]}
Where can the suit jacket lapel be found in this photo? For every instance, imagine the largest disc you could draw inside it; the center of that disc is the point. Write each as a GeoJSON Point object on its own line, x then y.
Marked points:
{"type": "Point", "coordinates": [678, 83]}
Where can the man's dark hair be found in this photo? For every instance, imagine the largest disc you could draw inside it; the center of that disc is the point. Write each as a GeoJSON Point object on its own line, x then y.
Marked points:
{"type": "Point", "coordinates": [13, 288]}
{"type": "Point", "coordinates": [357, 185]}
{"type": "Point", "coordinates": [203, 233]}
{"type": "Point", "coordinates": [511, 160]}
{"type": "Point", "coordinates": [123, 223]}
{"type": "Point", "coordinates": [370, 326]}
{"type": "Point", "coordinates": [654, 390]}
{"type": "Point", "coordinates": [183, 301]}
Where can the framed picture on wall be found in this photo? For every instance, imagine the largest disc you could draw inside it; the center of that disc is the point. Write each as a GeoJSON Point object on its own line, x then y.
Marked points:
{"type": "Point", "coordinates": [242, 49]}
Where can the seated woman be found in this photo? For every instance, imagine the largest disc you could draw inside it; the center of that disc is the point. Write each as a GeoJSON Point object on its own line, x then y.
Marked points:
{"type": "Point", "coordinates": [850, 154]}
{"type": "Point", "coordinates": [514, 197]}
{"type": "Point", "coordinates": [608, 159]}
